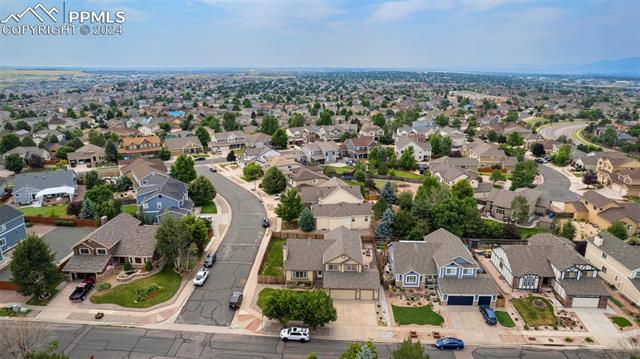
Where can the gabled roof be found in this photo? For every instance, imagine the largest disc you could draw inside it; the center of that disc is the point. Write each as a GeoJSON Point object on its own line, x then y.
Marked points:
{"type": "Point", "coordinates": [342, 209]}
{"type": "Point", "coordinates": [451, 247]}
{"type": "Point", "coordinates": [305, 174]}
{"type": "Point", "coordinates": [42, 180]}
{"type": "Point", "coordinates": [628, 255]}
{"type": "Point", "coordinates": [112, 232]}
{"type": "Point", "coordinates": [8, 213]}
{"type": "Point", "coordinates": [346, 242]}
{"type": "Point", "coordinates": [164, 185]}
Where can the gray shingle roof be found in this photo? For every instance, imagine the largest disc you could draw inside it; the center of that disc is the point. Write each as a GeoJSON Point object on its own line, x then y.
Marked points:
{"type": "Point", "coordinates": [342, 209]}
{"type": "Point", "coordinates": [120, 227]}
{"type": "Point", "coordinates": [345, 242]}
{"type": "Point", "coordinates": [625, 253]}
{"type": "Point", "coordinates": [368, 279]}
{"type": "Point", "coordinates": [482, 284]}
{"type": "Point", "coordinates": [584, 286]}
{"type": "Point", "coordinates": [42, 180]}
{"type": "Point", "coordinates": [8, 213]}
{"type": "Point", "coordinates": [305, 254]}
{"type": "Point", "coordinates": [86, 264]}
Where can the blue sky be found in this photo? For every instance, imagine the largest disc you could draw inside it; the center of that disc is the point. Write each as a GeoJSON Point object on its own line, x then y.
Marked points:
{"type": "Point", "coordinates": [331, 33]}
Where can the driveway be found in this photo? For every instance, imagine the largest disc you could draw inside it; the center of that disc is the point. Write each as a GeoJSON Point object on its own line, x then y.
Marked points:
{"type": "Point", "coordinates": [469, 323]}
{"type": "Point", "coordinates": [556, 186]}
{"type": "Point", "coordinates": [208, 305]}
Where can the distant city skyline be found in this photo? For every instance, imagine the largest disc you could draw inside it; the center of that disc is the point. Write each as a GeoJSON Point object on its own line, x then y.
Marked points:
{"type": "Point", "coordinates": [401, 34]}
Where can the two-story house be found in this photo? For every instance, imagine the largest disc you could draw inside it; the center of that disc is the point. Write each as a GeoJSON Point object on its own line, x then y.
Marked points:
{"type": "Point", "coordinates": [359, 147]}
{"type": "Point", "coordinates": [487, 154]}
{"type": "Point", "coordinates": [12, 229]}
{"type": "Point", "coordinates": [160, 194]}
{"type": "Point", "coordinates": [550, 261]}
{"type": "Point", "coordinates": [188, 145]}
{"type": "Point", "coordinates": [331, 191]}
{"type": "Point", "coordinates": [123, 239]}
{"type": "Point", "coordinates": [421, 149]}
{"type": "Point", "coordinates": [372, 131]}
{"type": "Point", "coordinates": [227, 141]}
{"type": "Point", "coordinates": [147, 146]}
{"type": "Point", "coordinates": [320, 152]}
{"type": "Point", "coordinates": [499, 202]}
{"type": "Point", "coordinates": [618, 262]}
{"type": "Point", "coordinates": [441, 262]}
{"type": "Point", "coordinates": [139, 168]}
{"type": "Point", "coordinates": [335, 132]}
{"type": "Point", "coordinates": [89, 155]}
{"type": "Point", "coordinates": [330, 216]}
{"type": "Point", "coordinates": [304, 175]}
{"type": "Point", "coordinates": [609, 165]}
{"type": "Point", "coordinates": [338, 263]}
{"type": "Point", "coordinates": [603, 211]}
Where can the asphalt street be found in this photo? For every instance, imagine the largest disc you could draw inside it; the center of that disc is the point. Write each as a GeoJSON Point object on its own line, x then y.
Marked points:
{"type": "Point", "coordinates": [208, 305]}
{"type": "Point", "coordinates": [561, 129]}
{"type": "Point", "coordinates": [556, 185]}
{"type": "Point", "coordinates": [82, 341]}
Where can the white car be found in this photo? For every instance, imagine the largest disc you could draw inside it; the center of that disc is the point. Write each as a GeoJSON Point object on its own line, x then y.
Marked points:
{"type": "Point", "coordinates": [295, 333]}
{"type": "Point", "coordinates": [201, 277]}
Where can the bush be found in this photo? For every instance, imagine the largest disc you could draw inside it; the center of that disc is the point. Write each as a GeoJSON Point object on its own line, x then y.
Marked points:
{"type": "Point", "coordinates": [103, 286]}
{"type": "Point", "coordinates": [62, 223]}
{"type": "Point", "coordinates": [148, 266]}
{"type": "Point", "coordinates": [127, 266]}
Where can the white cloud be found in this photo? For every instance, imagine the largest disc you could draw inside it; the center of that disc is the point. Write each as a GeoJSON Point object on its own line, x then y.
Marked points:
{"type": "Point", "coordinates": [397, 10]}
{"type": "Point", "coordinates": [392, 11]}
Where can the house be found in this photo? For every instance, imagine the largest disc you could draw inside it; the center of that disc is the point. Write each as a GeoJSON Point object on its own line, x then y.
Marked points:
{"type": "Point", "coordinates": [350, 215]}
{"type": "Point", "coordinates": [260, 155]}
{"type": "Point", "coordinates": [304, 175]}
{"type": "Point", "coordinates": [441, 262]}
{"type": "Point", "coordinates": [602, 211]}
{"type": "Point", "coordinates": [449, 175]}
{"type": "Point", "coordinates": [227, 141]}
{"type": "Point", "coordinates": [160, 194]}
{"type": "Point", "coordinates": [372, 131]}
{"type": "Point", "coordinates": [320, 152]}
{"type": "Point", "coordinates": [139, 168]}
{"type": "Point", "coordinates": [622, 174]}
{"type": "Point", "coordinates": [487, 154]}
{"type": "Point", "coordinates": [462, 163]}
{"type": "Point", "coordinates": [89, 155]}
{"type": "Point", "coordinates": [12, 229]}
{"type": "Point", "coordinates": [339, 264]}
{"type": "Point", "coordinates": [550, 261]}
{"type": "Point", "coordinates": [421, 149]}
{"type": "Point", "coordinates": [331, 191]}
{"type": "Point", "coordinates": [588, 161]}
{"type": "Point", "coordinates": [26, 153]}
{"type": "Point", "coordinates": [359, 147]}
{"type": "Point", "coordinates": [258, 140]}
{"type": "Point", "coordinates": [284, 164]}
{"type": "Point", "coordinates": [618, 262]}
{"type": "Point", "coordinates": [300, 135]}
{"type": "Point", "coordinates": [147, 146]}
{"type": "Point", "coordinates": [499, 202]}
{"type": "Point", "coordinates": [122, 239]}
{"type": "Point", "coordinates": [335, 132]}
{"type": "Point", "coordinates": [178, 146]}
{"type": "Point", "coordinates": [44, 188]}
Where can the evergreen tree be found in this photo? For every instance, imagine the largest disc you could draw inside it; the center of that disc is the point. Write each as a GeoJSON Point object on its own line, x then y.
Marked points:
{"type": "Point", "coordinates": [87, 211]}
{"type": "Point", "coordinates": [388, 193]}
{"type": "Point", "coordinates": [568, 230]}
{"type": "Point", "coordinates": [384, 229]}
{"type": "Point", "coordinates": [111, 152]}
{"type": "Point", "coordinates": [307, 222]}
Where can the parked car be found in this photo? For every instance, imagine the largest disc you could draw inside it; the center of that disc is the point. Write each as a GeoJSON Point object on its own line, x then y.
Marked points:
{"type": "Point", "coordinates": [295, 333]}
{"type": "Point", "coordinates": [235, 300]}
{"type": "Point", "coordinates": [199, 158]}
{"type": "Point", "coordinates": [449, 343]}
{"type": "Point", "coordinates": [82, 289]}
{"type": "Point", "coordinates": [201, 276]}
{"type": "Point", "coordinates": [349, 162]}
{"type": "Point", "coordinates": [213, 168]}
{"type": "Point", "coordinates": [210, 260]}
{"type": "Point", "coordinates": [489, 315]}
{"type": "Point", "coordinates": [539, 160]}
{"type": "Point", "coordinates": [266, 223]}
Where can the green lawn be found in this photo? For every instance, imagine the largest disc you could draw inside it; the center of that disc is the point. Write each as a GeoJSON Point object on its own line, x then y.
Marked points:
{"type": "Point", "coordinates": [124, 294]}
{"type": "Point", "coordinates": [130, 208]}
{"type": "Point", "coordinates": [343, 169]}
{"type": "Point", "coordinates": [406, 174]}
{"type": "Point", "coordinates": [7, 312]}
{"type": "Point", "coordinates": [52, 211]}
{"type": "Point", "coordinates": [505, 319]}
{"type": "Point", "coordinates": [528, 232]}
{"type": "Point", "coordinates": [274, 262]}
{"type": "Point", "coordinates": [35, 301]}
{"type": "Point", "coordinates": [533, 315]}
{"type": "Point", "coordinates": [615, 301]}
{"type": "Point", "coordinates": [209, 208]}
{"type": "Point", "coordinates": [621, 321]}
{"type": "Point", "coordinates": [263, 295]}
{"type": "Point", "coordinates": [417, 315]}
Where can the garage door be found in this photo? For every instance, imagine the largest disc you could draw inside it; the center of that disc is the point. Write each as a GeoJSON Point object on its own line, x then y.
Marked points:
{"type": "Point", "coordinates": [460, 300]}
{"type": "Point", "coordinates": [585, 302]}
{"type": "Point", "coordinates": [343, 294]}
{"type": "Point", "coordinates": [484, 300]}
{"type": "Point", "coordinates": [366, 294]}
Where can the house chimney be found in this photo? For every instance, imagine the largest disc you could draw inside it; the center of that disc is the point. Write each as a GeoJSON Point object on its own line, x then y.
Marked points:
{"type": "Point", "coordinates": [284, 251]}
{"type": "Point", "coordinates": [597, 240]}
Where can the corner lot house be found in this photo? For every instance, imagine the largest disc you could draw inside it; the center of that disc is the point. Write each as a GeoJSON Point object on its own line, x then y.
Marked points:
{"type": "Point", "coordinates": [12, 229]}
{"type": "Point", "coordinates": [339, 263]}
{"type": "Point", "coordinates": [441, 262]}
{"type": "Point", "coordinates": [619, 263]}
{"type": "Point", "coordinates": [160, 194]}
{"type": "Point", "coordinates": [549, 261]}
{"type": "Point", "coordinates": [123, 238]}
{"type": "Point", "coordinates": [603, 211]}
{"type": "Point", "coordinates": [44, 188]}
{"type": "Point", "coordinates": [499, 202]}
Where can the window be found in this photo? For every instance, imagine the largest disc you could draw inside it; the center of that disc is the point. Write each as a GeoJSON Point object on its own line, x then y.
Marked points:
{"type": "Point", "coordinates": [2, 242]}
{"type": "Point", "coordinates": [351, 268]}
{"type": "Point", "coordinates": [604, 269]}
{"type": "Point", "coordinates": [604, 255]}
{"type": "Point", "coordinates": [84, 251]}
{"type": "Point", "coordinates": [411, 278]}
{"type": "Point", "coordinates": [499, 210]}
{"type": "Point", "coordinates": [501, 265]}
{"type": "Point", "coordinates": [570, 274]}
{"type": "Point", "coordinates": [159, 205]}
{"type": "Point", "coordinates": [467, 271]}
{"type": "Point", "coordinates": [528, 281]}
{"type": "Point", "coordinates": [450, 270]}
{"type": "Point", "coordinates": [137, 260]}
{"type": "Point", "coordinates": [299, 275]}
{"type": "Point", "coordinates": [145, 206]}
{"type": "Point", "coordinates": [3, 228]}
{"type": "Point", "coordinates": [353, 219]}
{"type": "Point", "coordinates": [101, 251]}
{"type": "Point", "coordinates": [333, 267]}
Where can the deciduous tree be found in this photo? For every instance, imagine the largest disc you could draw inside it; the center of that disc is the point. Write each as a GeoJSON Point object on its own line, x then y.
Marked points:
{"type": "Point", "coordinates": [252, 171]}
{"type": "Point", "coordinates": [290, 205]}
{"type": "Point", "coordinates": [33, 267]}
{"type": "Point", "coordinates": [201, 191]}
{"type": "Point", "coordinates": [274, 181]}
{"type": "Point", "coordinates": [184, 169]}
{"type": "Point", "coordinates": [279, 139]}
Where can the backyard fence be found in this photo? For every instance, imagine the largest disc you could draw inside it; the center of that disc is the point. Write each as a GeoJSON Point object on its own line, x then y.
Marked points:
{"type": "Point", "coordinates": [57, 220]}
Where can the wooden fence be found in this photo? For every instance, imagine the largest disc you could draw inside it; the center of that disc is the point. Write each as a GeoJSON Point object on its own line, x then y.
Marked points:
{"type": "Point", "coordinates": [298, 235]}
{"type": "Point", "coordinates": [53, 220]}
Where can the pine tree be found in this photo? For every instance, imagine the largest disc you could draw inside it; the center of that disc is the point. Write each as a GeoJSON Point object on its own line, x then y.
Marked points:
{"type": "Point", "coordinates": [384, 230]}
{"type": "Point", "coordinates": [307, 222]}
{"type": "Point", "coordinates": [388, 193]}
{"type": "Point", "coordinates": [87, 211]}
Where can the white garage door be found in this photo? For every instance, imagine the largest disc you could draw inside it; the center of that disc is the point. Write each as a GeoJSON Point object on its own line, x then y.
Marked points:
{"type": "Point", "coordinates": [366, 294]}
{"type": "Point", "coordinates": [343, 293]}
{"type": "Point", "coordinates": [585, 302]}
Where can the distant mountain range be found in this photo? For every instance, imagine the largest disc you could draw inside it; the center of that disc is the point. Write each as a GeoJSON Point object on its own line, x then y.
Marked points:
{"type": "Point", "coordinates": [628, 66]}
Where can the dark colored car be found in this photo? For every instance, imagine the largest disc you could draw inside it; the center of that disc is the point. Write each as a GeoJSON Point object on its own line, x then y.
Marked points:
{"type": "Point", "coordinates": [449, 343]}
{"type": "Point", "coordinates": [266, 223]}
{"type": "Point", "coordinates": [210, 260]}
{"type": "Point", "coordinates": [539, 160]}
{"type": "Point", "coordinates": [82, 289]}
{"type": "Point", "coordinates": [200, 158]}
{"type": "Point", "coordinates": [489, 315]}
{"type": "Point", "coordinates": [235, 300]}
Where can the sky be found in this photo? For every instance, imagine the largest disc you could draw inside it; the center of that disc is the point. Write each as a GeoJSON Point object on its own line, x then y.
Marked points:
{"type": "Point", "coordinates": [398, 34]}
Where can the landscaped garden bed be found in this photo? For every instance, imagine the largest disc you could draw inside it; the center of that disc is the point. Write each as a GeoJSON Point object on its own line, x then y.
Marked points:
{"type": "Point", "coordinates": [417, 315]}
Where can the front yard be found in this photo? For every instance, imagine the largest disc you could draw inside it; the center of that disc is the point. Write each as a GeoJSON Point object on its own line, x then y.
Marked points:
{"type": "Point", "coordinates": [504, 319]}
{"type": "Point", "coordinates": [209, 208]}
{"type": "Point", "coordinates": [51, 211]}
{"type": "Point", "coordinates": [142, 293]}
{"type": "Point", "coordinates": [417, 315]}
{"type": "Point", "coordinates": [535, 311]}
